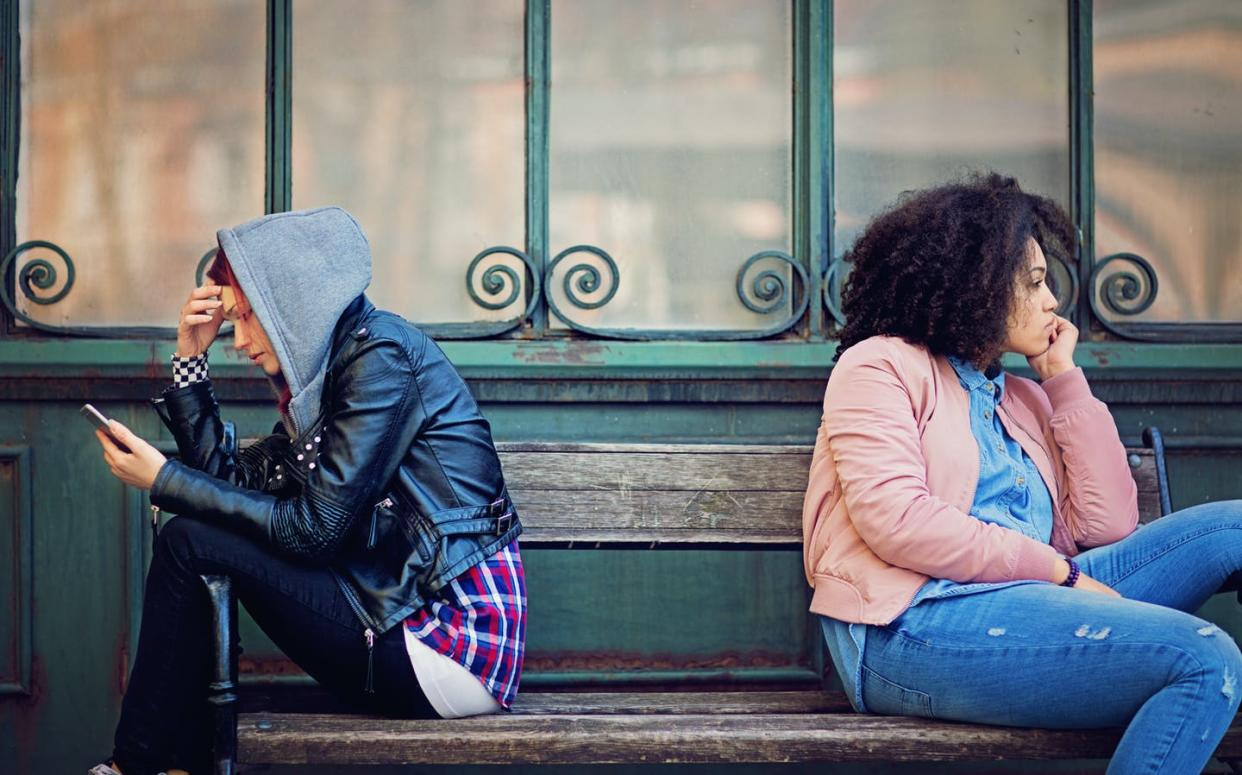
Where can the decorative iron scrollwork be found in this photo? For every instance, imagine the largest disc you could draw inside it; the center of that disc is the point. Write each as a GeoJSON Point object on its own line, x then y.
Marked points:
{"type": "Point", "coordinates": [1064, 282]}
{"type": "Point", "coordinates": [1124, 292]}
{"type": "Point", "coordinates": [834, 281]}
{"type": "Point", "coordinates": [34, 277]}
{"type": "Point", "coordinates": [502, 285]}
{"type": "Point", "coordinates": [1129, 291]}
{"type": "Point", "coordinates": [763, 292]}
{"type": "Point", "coordinates": [201, 270]}
{"type": "Point", "coordinates": [771, 288]}
{"type": "Point", "coordinates": [584, 278]}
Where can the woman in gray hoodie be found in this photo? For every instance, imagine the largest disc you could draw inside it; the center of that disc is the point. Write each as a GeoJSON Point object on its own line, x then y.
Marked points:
{"type": "Point", "coordinates": [370, 535]}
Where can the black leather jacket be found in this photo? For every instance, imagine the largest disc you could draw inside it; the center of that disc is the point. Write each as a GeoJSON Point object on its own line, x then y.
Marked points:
{"type": "Point", "coordinates": [397, 487]}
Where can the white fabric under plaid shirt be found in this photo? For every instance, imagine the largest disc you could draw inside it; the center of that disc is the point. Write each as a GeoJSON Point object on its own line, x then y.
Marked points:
{"type": "Point", "coordinates": [188, 370]}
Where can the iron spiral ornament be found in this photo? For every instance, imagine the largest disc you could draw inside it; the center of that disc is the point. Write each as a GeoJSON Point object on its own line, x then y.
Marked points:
{"type": "Point", "coordinates": [1125, 291]}
{"type": "Point", "coordinates": [35, 278]}
{"type": "Point", "coordinates": [833, 281]}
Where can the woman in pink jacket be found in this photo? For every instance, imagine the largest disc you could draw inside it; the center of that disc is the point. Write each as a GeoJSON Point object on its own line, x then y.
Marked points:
{"type": "Point", "coordinates": [971, 535]}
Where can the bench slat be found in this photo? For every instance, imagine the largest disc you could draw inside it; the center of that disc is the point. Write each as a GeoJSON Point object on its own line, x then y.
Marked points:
{"type": "Point", "coordinates": [679, 703]}
{"type": "Point", "coordinates": [630, 739]}
{"type": "Point", "coordinates": [649, 515]}
{"type": "Point", "coordinates": [608, 448]}
{"type": "Point", "coordinates": [313, 698]}
{"type": "Point", "coordinates": [629, 471]}
{"type": "Point", "coordinates": [681, 494]}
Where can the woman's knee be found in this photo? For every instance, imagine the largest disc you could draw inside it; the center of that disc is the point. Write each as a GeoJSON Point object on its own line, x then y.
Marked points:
{"type": "Point", "coordinates": [180, 535]}
{"type": "Point", "coordinates": [1226, 513]}
{"type": "Point", "coordinates": [1213, 658]}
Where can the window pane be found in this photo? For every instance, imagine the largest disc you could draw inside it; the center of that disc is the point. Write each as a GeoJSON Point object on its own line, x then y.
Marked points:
{"type": "Point", "coordinates": [925, 91]}
{"type": "Point", "coordinates": [142, 133]}
{"type": "Point", "coordinates": [1168, 149]}
{"type": "Point", "coordinates": [411, 115]}
{"type": "Point", "coordinates": [670, 136]}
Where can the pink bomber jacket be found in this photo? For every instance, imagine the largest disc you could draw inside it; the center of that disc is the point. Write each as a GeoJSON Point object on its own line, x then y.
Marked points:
{"type": "Point", "coordinates": [895, 469]}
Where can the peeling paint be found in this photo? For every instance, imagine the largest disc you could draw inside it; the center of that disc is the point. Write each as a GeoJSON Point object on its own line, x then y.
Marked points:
{"type": "Point", "coordinates": [1209, 630]}
{"type": "Point", "coordinates": [996, 632]}
{"type": "Point", "coordinates": [1230, 684]}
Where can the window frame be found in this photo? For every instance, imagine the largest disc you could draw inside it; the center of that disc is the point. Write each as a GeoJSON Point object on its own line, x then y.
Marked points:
{"type": "Point", "coordinates": [811, 286]}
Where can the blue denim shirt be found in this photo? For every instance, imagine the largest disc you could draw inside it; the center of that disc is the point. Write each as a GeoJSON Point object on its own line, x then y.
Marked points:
{"type": "Point", "coordinates": [1010, 493]}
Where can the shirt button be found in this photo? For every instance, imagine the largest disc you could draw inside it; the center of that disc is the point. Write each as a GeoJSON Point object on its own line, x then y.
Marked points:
{"type": "Point", "coordinates": [311, 466]}
{"type": "Point", "coordinates": [1021, 480]}
{"type": "Point", "coordinates": [301, 456]}
{"type": "Point", "coordinates": [987, 414]}
{"type": "Point", "coordinates": [308, 446]}
{"type": "Point", "coordinates": [316, 439]}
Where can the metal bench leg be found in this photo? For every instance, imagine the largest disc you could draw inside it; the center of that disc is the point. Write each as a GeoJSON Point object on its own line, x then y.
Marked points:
{"type": "Point", "coordinates": [1154, 440]}
{"type": "Point", "coordinates": [222, 691]}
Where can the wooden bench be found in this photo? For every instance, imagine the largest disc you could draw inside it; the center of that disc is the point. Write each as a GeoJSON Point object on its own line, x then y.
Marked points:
{"type": "Point", "coordinates": [599, 495]}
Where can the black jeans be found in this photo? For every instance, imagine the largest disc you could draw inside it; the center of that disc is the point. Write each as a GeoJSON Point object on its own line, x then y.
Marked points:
{"type": "Point", "coordinates": [165, 719]}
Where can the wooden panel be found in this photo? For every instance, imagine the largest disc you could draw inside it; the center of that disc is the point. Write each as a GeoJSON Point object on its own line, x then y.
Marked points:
{"type": "Point", "coordinates": [313, 698]}
{"type": "Point", "coordinates": [678, 703]}
{"type": "Point", "coordinates": [644, 515]}
{"type": "Point", "coordinates": [627, 470]}
{"type": "Point", "coordinates": [682, 494]}
{"type": "Point", "coordinates": [630, 739]}
{"type": "Point", "coordinates": [16, 570]}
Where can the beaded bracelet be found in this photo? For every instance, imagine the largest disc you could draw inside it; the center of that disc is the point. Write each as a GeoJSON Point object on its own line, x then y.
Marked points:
{"type": "Point", "coordinates": [1072, 578]}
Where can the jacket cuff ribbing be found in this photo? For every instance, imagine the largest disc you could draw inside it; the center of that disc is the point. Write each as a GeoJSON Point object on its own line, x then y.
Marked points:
{"type": "Point", "coordinates": [1067, 389]}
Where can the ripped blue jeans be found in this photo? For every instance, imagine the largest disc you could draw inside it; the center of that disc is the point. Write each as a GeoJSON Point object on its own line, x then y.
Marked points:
{"type": "Point", "coordinates": [1040, 655]}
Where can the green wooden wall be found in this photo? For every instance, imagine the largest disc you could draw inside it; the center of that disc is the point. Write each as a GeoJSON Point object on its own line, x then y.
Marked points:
{"type": "Point", "coordinates": [74, 540]}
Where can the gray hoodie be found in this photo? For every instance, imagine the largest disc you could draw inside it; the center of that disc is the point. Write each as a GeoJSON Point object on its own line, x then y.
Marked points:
{"type": "Point", "coordinates": [299, 271]}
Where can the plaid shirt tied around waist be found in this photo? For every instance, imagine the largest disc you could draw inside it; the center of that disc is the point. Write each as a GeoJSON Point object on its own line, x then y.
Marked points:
{"type": "Point", "coordinates": [479, 621]}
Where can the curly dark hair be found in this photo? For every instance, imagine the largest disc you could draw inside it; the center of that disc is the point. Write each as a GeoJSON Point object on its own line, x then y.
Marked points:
{"type": "Point", "coordinates": [939, 268]}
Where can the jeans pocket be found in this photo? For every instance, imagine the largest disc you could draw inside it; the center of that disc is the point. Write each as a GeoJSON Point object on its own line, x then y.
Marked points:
{"type": "Point", "coordinates": [881, 695]}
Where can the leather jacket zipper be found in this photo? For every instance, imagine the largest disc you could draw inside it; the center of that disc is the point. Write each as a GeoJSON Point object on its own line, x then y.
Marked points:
{"type": "Point", "coordinates": [155, 526]}
{"type": "Point", "coordinates": [372, 536]}
{"type": "Point", "coordinates": [370, 685]}
{"type": "Point", "coordinates": [368, 634]}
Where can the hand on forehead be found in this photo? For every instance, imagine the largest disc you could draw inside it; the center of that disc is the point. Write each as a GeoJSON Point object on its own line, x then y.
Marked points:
{"type": "Point", "coordinates": [232, 298]}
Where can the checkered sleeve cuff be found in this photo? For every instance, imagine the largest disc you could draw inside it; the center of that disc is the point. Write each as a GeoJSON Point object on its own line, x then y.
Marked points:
{"type": "Point", "coordinates": [188, 370]}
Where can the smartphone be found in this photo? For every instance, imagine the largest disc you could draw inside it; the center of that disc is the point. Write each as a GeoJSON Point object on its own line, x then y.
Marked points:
{"type": "Point", "coordinates": [99, 421]}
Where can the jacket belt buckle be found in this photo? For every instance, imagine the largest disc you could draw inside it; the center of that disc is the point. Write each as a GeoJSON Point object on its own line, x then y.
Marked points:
{"type": "Point", "coordinates": [504, 522]}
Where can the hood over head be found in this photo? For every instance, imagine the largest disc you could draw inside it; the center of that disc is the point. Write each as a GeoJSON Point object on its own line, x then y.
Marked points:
{"type": "Point", "coordinates": [299, 271]}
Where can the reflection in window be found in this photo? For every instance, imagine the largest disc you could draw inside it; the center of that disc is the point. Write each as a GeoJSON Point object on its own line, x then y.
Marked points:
{"type": "Point", "coordinates": [412, 117]}
{"type": "Point", "coordinates": [670, 142]}
{"type": "Point", "coordinates": [141, 134]}
{"type": "Point", "coordinates": [1168, 149]}
{"type": "Point", "coordinates": [925, 91]}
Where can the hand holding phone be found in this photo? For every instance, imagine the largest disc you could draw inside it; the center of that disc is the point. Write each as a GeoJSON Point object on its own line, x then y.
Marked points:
{"type": "Point", "coordinates": [99, 421]}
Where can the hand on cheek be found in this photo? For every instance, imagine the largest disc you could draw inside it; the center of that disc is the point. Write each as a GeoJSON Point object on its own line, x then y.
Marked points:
{"type": "Point", "coordinates": [1059, 356]}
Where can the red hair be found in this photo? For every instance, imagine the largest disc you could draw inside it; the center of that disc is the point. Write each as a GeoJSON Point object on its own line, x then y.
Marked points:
{"type": "Point", "coordinates": [221, 273]}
